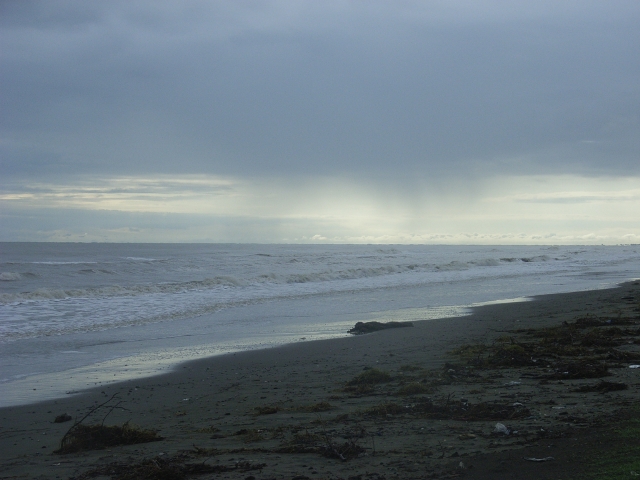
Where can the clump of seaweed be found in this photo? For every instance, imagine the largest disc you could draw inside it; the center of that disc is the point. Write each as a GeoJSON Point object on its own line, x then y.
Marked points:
{"type": "Point", "coordinates": [602, 337]}
{"type": "Point", "coordinates": [82, 437]}
{"type": "Point", "coordinates": [360, 390]}
{"type": "Point", "coordinates": [470, 351]}
{"type": "Point", "coordinates": [250, 435]}
{"type": "Point", "coordinates": [414, 388]}
{"type": "Point", "coordinates": [363, 383]}
{"type": "Point", "coordinates": [345, 451]}
{"type": "Point", "coordinates": [96, 437]}
{"type": "Point", "coordinates": [573, 350]}
{"type": "Point", "coordinates": [511, 355]}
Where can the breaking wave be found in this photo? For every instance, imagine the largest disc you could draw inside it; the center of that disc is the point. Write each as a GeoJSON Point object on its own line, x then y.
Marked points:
{"type": "Point", "coordinates": [284, 278]}
{"type": "Point", "coordinates": [9, 276]}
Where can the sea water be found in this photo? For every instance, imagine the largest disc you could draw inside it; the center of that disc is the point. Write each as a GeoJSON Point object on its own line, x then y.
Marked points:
{"type": "Point", "coordinates": [79, 315]}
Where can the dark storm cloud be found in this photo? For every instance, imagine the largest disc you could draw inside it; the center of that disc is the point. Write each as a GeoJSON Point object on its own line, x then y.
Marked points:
{"type": "Point", "coordinates": [376, 89]}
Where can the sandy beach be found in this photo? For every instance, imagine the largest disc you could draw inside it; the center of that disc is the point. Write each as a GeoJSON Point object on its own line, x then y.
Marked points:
{"type": "Point", "coordinates": [415, 402]}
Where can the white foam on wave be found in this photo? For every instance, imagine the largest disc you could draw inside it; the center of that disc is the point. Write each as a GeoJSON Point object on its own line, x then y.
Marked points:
{"type": "Point", "coordinates": [117, 290]}
{"type": "Point", "coordinates": [72, 314]}
{"type": "Point", "coordinates": [9, 276]}
{"type": "Point", "coordinates": [282, 278]}
{"type": "Point", "coordinates": [259, 277]}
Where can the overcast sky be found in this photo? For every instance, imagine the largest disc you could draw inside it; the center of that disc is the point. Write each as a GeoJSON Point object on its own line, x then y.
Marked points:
{"type": "Point", "coordinates": [320, 121]}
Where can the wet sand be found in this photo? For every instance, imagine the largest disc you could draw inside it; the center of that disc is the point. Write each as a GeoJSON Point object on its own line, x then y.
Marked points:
{"type": "Point", "coordinates": [287, 412]}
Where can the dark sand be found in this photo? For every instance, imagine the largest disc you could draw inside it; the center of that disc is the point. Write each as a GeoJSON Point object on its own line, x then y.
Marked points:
{"type": "Point", "coordinates": [213, 404]}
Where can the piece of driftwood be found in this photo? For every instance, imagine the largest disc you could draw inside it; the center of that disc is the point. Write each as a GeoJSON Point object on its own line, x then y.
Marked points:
{"type": "Point", "coordinates": [368, 327]}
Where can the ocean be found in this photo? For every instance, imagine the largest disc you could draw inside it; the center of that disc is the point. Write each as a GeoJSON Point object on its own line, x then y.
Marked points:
{"type": "Point", "coordinates": [77, 315]}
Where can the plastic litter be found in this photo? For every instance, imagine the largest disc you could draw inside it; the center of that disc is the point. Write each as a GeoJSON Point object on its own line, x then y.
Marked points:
{"type": "Point", "coordinates": [501, 428]}
{"type": "Point", "coordinates": [532, 459]}
{"type": "Point", "coordinates": [634, 366]}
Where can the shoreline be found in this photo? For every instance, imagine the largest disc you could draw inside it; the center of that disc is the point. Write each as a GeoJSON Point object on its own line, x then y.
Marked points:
{"type": "Point", "coordinates": [206, 402]}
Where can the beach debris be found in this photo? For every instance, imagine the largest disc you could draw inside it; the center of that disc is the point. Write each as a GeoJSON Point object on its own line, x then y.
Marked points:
{"type": "Point", "coordinates": [634, 366]}
{"type": "Point", "coordinates": [347, 451]}
{"type": "Point", "coordinates": [363, 383]}
{"type": "Point", "coordinates": [250, 435]}
{"type": "Point", "coordinates": [532, 459]}
{"type": "Point", "coordinates": [63, 418]}
{"type": "Point", "coordinates": [501, 428]}
{"type": "Point", "coordinates": [209, 429]}
{"type": "Point", "coordinates": [602, 386]}
{"type": "Point", "coordinates": [414, 388]}
{"type": "Point", "coordinates": [324, 445]}
{"type": "Point", "coordinates": [96, 437]}
{"type": "Point", "coordinates": [572, 350]}
{"type": "Point", "coordinates": [362, 328]}
{"type": "Point", "coordinates": [82, 437]}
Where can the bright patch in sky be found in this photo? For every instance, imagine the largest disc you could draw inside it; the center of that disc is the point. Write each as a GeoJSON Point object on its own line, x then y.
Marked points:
{"type": "Point", "coordinates": [539, 209]}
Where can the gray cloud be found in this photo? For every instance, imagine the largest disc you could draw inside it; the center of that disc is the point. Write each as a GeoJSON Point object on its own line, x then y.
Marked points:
{"type": "Point", "coordinates": [392, 90]}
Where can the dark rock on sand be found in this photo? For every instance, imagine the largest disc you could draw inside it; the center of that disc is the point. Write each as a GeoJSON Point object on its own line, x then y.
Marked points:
{"type": "Point", "coordinates": [367, 327]}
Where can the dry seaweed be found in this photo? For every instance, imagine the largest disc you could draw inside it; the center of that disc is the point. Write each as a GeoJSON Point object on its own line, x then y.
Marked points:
{"type": "Point", "coordinates": [358, 390]}
{"type": "Point", "coordinates": [346, 451]}
{"type": "Point", "coordinates": [82, 437]}
{"type": "Point", "coordinates": [371, 376]}
{"type": "Point", "coordinates": [250, 435]}
{"type": "Point", "coordinates": [414, 388]}
{"type": "Point", "coordinates": [96, 437]}
{"type": "Point", "coordinates": [573, 350]}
